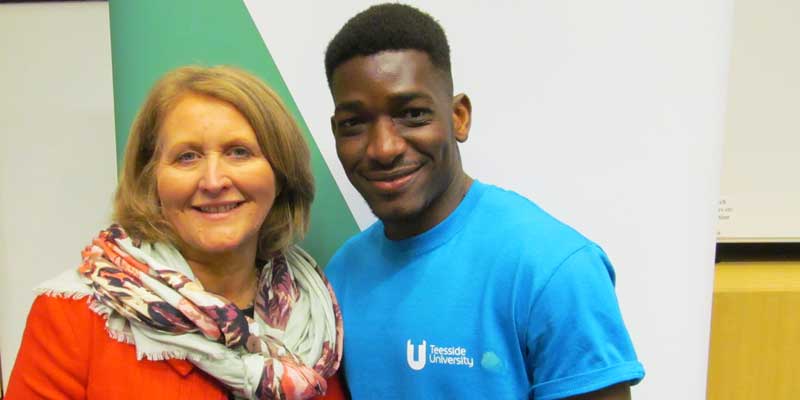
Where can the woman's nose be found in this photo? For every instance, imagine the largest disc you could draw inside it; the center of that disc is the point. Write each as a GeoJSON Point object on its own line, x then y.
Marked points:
{"type": "Point", "coordinates": [215, 175]}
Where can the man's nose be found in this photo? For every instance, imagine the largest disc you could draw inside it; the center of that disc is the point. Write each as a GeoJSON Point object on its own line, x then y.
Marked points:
{"type": "Point", "coordinates": [386, 144]}
{"type": "Point", "coordinates": [215, 178]}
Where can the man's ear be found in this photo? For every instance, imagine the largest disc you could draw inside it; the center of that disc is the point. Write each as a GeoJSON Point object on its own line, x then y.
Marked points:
{"type": "Point", "coordinates": [462, 117]}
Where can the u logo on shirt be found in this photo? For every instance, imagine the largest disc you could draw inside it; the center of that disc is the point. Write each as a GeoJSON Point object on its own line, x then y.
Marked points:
{"type": "Point", "coordinates": [417, 363]}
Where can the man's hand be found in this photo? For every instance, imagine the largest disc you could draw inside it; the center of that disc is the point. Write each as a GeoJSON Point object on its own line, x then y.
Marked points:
{"type": "Point", "coordinates": [621, 391]}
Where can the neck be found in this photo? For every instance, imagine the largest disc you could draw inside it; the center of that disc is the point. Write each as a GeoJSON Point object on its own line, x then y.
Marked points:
{"type": "Point", "coordinates": [436, 212]}
{"type": "Point", "coordinates": [232, 275]}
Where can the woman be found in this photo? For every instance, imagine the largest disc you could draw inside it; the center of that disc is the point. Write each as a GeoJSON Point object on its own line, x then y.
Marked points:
{"type": "Point", "coordinates": [198, 291]}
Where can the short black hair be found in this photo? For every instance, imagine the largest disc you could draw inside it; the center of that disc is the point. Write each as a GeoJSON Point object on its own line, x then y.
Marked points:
{"type": "Point", "coordinates": [389, 26]}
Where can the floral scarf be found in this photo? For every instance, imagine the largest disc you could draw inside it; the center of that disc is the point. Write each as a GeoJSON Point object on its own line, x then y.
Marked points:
{"type": "Point", "coordinates": [146, 291]}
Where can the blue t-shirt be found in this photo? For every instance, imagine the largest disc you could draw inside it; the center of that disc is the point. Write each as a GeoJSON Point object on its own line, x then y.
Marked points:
{"type": "Point", "coordinates": [500, 300]}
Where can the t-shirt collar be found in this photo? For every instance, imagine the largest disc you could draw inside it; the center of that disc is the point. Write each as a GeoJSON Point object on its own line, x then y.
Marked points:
{"type": "Point", "coordinates": [442, 232]}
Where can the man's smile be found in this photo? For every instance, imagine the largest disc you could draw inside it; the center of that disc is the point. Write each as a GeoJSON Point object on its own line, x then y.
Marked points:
{"type": "Point", "coordinates": [394, 180]}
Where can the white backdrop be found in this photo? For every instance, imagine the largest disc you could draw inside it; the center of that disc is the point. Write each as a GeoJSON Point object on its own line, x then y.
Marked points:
{"type": "Point", "coordinates": [608, 114]}
{"type": "Point", "coordinates": [57, 161]}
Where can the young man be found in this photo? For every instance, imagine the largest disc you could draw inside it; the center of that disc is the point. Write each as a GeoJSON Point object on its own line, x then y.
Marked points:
{"type": "Point", "coordinates": [462, 289]}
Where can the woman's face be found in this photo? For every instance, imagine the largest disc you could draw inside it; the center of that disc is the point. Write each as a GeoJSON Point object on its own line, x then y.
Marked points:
{"type": "Point", "coordinates": [215, 186]}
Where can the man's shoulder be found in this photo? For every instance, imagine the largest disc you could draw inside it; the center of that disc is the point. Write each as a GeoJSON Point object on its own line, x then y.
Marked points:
{"type": "Point", "coordinates": [364, 239]}
{"type": "Point", "coordinates": [508, 203]}
{"type": "Point", "coordinates": [521, 233]}
{"type": "Point", "coordinates": [355, 246]}
{"type": "Point", "coordinates": [513, 215]}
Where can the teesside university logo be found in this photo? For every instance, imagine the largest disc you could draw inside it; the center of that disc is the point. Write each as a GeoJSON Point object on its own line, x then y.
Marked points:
{"type": "Point", "coordinates": [417, 356]}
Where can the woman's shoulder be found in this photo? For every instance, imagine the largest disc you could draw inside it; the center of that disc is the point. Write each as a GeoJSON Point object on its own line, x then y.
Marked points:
{"type": "Point", "coordinates": [60, 310]}
{"type": "Point", "coordinates": [67, 350]}
{"type": "Point", "coordinates": [54, 352]}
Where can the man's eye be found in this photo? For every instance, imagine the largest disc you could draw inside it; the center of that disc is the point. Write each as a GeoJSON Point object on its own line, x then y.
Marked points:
{"type": "Point", "coordinates": [187, 157]}
{"type": "Point", "coordinates": [349, 123]}
{"type": "Point", "coordinates": [416, 115]}
{"type": "Point", "coordinates": [240, 152]}
{"type": "Point", "coordinates": [350, 126]}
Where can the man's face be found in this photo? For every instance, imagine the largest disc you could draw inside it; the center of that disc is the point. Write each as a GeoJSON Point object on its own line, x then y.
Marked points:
{"type": "Point", "coordinates": [396, 125]}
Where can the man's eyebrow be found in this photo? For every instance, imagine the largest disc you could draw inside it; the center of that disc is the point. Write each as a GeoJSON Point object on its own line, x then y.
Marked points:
{"type": "Point", "coordinates": [348, 106]}
{"type": "Point", "coordinates": [405, 97]}
{"type": "Point", "coordinates": [395, 100]}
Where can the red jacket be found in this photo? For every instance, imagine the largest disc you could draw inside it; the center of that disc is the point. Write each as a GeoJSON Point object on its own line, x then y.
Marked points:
{"type": "Point", "coordinates": [66, 353]}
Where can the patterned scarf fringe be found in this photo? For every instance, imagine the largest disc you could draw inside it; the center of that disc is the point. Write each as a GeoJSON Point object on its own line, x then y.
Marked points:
{"type": "Point", "coordinates": [61, 294]}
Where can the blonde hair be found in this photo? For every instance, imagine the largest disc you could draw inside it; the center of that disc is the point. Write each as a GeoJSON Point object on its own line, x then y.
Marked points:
{"type": "Point", "coordinates": [136, 204]}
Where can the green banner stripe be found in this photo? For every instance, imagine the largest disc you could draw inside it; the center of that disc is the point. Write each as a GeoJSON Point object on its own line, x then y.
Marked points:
{"type": "Point", "coordinates": [151, 37]}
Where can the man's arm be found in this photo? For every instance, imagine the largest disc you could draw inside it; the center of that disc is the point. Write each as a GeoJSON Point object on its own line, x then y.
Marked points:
{"type": "Point", "coordinates": [576, 339]}
{"type": "Point", "coordinates": [620, 391]}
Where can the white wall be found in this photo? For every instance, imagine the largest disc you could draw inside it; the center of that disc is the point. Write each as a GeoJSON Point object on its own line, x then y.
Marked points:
{"type": "Point", "coordinates": [57, 161]}
{"type": "Point", "coordinates": [607, 113]}
{"type": "Point", "coordinates": [761, 169]}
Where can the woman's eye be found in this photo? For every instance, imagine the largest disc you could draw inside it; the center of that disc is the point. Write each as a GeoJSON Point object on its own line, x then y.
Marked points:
{"type": "Point", "coordinates": [187, 157]}
{"type": "Point", "coordinates": [240, 152]}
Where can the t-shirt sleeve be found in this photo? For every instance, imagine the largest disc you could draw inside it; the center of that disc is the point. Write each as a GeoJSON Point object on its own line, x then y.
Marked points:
{"type": "Point", "coordinates": [52, 360]}
{"type": "Point", "coordinates": [576, 339]}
